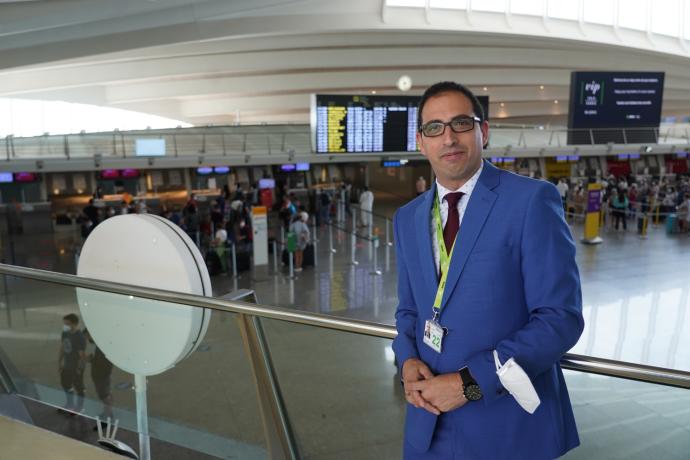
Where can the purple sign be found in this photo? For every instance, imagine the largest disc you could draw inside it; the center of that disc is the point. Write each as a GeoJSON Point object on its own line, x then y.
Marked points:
{"type": "Point", "coordinates": [593, 200]}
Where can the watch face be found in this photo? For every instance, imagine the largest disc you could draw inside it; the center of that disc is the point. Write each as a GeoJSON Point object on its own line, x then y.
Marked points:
{"type": "Point", "coordinates": [473, 392]}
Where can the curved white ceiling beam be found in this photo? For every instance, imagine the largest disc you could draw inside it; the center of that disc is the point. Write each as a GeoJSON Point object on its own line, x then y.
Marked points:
{"type": "Point", "coordinates": [207, 60]}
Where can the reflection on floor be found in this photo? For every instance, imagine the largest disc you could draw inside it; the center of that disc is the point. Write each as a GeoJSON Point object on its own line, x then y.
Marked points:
{"type": "Point", "coordinates": [635, 291]}
{"type": "Point", "coordinates": [341, 390]}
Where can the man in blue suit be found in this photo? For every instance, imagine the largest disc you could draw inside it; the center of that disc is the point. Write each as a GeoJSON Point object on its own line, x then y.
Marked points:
{"type": "Point", "coordinates": [486, 263]}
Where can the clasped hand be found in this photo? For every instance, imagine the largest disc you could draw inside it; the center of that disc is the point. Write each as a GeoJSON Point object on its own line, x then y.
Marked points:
{"type": "Point", "coordinates": [436, 394]}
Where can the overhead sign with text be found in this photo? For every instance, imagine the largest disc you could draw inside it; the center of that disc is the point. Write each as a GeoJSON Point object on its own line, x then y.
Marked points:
{"type": "Point", "coordinates": [364, 123]}
{"type": "Point", "coordinates": [616, 106]}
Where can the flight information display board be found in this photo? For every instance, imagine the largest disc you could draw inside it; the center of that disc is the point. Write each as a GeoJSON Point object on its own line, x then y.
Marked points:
{"type": "Point", "coordinates": [606, 102]}
{"type": "Point", "coordinates": [352, 124]}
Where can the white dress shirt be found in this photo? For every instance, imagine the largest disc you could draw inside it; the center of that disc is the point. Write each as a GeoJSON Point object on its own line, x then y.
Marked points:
{"type": "Point", "coordinates": [467, 189]}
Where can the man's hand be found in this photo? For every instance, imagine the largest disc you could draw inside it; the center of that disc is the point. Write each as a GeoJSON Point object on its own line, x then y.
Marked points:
{"type": "Point", "coordinates": [413, 371]}
{"type": "Point", "coordinates": [443, 392]}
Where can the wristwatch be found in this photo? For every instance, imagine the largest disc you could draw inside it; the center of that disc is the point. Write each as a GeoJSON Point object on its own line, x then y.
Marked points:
{"type": "Point", "coordinates": [470, 388]}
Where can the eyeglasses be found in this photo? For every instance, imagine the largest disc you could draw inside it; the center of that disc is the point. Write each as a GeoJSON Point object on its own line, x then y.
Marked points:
{"type": "Point", "coordinates": [459, 124]}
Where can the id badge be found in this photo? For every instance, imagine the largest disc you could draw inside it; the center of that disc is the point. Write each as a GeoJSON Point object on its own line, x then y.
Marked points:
{"type": "Point", "coordinates": [433, 335]}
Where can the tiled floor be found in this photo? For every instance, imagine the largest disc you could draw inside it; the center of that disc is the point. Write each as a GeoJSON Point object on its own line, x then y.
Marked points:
{"type": "Point", "coordinates": [340, 389]}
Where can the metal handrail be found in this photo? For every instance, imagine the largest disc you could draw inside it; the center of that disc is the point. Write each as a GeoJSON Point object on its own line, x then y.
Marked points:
{"type": "Point", "coordinates": [589, 364]}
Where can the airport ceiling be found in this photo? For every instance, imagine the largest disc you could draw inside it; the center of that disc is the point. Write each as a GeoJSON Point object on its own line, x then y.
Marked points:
{"type": "Point", "coordinates": [253, 61]}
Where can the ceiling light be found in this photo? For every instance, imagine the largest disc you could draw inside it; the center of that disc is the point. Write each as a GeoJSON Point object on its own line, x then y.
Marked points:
{"type": "Point", "coordinates": [541, 86]}
{"type": "Point", "coordinates": [502, 104]}
{"type": "Point", "coordinates": [485, 88]}
{"type": "Point", "coordinates": [373, 92]}
{"type": "Point", "coordinates": [555, 101]}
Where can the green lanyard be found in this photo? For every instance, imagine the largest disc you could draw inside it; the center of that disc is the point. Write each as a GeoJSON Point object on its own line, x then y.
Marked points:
{"type": "Point", "coordinates": [444, 259]}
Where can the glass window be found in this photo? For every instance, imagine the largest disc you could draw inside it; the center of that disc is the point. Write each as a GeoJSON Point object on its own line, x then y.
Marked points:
{"type": "Point", "coordinates": [449, 4]}
{"type": "Point", "coordinates": [665, 17]}
{"type": "Point", "coordinates": [529, 7]}
{"type": "Point", "coordinates": [26, 117]}
{"type": "Point", "coordinates": [412, 3]}
{"type": "Point", "coordinates": [559, 9]}
{"type": "Point", "coordinates": [599, 11]}
{"type": "Point", "coordinates": [633, 14]}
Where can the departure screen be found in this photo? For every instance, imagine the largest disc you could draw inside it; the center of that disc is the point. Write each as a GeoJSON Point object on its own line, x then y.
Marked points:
{"type": "Point", "coordinates": [351, 124]}
{"type": "Point", "coordinates": [610, 100]}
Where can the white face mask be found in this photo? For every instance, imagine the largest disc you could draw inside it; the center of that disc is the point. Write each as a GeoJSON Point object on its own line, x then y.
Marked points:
{"type": "Point", "coordinates": [66, 328]}
{"type": "Point", "coordinates": [515, 380]}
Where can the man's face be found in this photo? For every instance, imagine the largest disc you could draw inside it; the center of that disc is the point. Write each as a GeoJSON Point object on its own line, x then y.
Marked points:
{"type": "Point", "coordinates": [454, 157]}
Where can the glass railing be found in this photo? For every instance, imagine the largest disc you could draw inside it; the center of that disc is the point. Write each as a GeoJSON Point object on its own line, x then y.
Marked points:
{"type": "Point", "coordinates": [239, 141]}
{"type": "Point", "coordinates": [269, 382]}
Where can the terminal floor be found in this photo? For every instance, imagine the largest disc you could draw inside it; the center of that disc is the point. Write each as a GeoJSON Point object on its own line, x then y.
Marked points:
{"type": "Point", "coordinates": [341, 390]}
{"type": "Point", "coordinates": [635, 291]}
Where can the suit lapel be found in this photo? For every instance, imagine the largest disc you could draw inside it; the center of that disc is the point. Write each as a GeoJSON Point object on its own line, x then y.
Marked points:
{"type": "Point", "coordinates": [478, 209]}
{"type": "Point", "coordinates": [423, 227]}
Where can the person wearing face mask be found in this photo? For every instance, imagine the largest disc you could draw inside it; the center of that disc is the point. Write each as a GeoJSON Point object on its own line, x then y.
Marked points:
{"type": "Point", "coordinates": [71, 362]}
{"type": "Point", "coordinates": [101, 370]}
{"type": "Point", "coordinates": [489, 299]}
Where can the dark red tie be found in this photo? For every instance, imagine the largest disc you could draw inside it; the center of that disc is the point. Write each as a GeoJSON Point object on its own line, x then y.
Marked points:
{"type": "Point", "coordinates": [453, 223]}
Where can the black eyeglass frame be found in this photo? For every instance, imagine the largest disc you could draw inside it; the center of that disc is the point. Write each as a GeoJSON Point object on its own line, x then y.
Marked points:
{"type": "Point", "coordinates": [448, 124]}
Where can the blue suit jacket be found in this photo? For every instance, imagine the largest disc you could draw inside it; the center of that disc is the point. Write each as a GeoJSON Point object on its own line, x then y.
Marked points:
{"type": "Point", "coordinates": [513, 286]}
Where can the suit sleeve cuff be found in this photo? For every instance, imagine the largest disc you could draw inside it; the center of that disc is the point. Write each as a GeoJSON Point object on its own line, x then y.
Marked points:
{"type": "Point", "coordinates": [483, 369]}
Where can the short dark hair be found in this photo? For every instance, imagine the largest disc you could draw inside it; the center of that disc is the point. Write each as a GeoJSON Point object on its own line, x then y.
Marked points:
{"type": "Point", "coordinates": [72, 318]}
{"type": "Point", "coordinates": [445, 87]}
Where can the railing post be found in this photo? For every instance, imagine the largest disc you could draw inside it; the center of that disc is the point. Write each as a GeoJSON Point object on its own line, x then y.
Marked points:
{"type": "Point", "coordinates": [625, 137]}
{"type": "Point", "coordinates": [591, 137]}
{"type": "Point", "coordinates": [175, 143]}
{"type": "Point", "coordinates": [275, 256]}
{"type": "Point", "coordinates": [66, 144]}
{"type": "Point", "coordinates": [234, 261]}
{"type": "Point", "coordinates": [291, 255]}
{"type": "Point", "coordinates": [280, 439]}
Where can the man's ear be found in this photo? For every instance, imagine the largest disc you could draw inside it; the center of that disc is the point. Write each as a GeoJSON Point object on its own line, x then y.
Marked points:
{"type": "Point", "coordinates": [418, 136]}
{"type": "Point", "coordinates": [485, 133]}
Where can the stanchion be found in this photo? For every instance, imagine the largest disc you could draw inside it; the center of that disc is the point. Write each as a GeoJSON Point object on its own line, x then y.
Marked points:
{"type": "Point", "coordinates": [643, 233]}
{"type": "Point", "coordinates": [353, 240]}
{"type": "Point", "coordinates": [198, 239]}
{"type": "Point", "coordinates": [388, 237]}
{"type": "Point", "coordinates": [292, 265]}
{"type": "Point", "coordinates": [275, 257]}
{"type": "Point", "coordinates": [388, 258]}
{"type": "Point", "coordinates": [234, 261]}
{"type": "Point", "coordinates": [656, 217]}
{"type": "Point", "coordinates": [330, 239]}
{"type": "Point", "coordinates": [282, 234]}
{"type": "Point", "coordinates": [316, 241]}
{"type": "Point", "coordinates": [376, 270]}
{"type": "Point", "coordinates": [370, 235]}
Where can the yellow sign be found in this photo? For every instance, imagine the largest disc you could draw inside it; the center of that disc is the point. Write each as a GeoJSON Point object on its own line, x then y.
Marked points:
{"type": "Point", "coordinates": [592, 217]}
